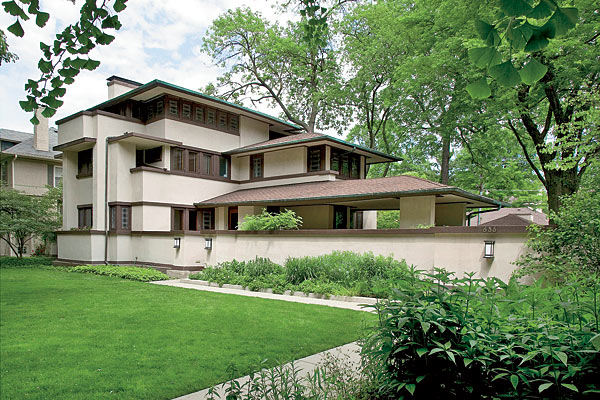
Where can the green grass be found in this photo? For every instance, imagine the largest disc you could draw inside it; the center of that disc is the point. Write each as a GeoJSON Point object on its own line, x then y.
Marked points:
{"type": "Point", "coordinates": [80, 336]}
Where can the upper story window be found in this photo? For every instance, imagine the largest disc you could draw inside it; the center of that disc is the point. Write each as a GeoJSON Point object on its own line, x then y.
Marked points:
{"type": "Point", "coordinates": [211, 118]}
{"type": "Point", "coordinates": [316, 158]}
{"type": "Point", "coordinates": [207, 164]}
{"type": "Point", "coordinates": [223, 167]}
{"type": "Point", "coordinates": [57, 176]}
{"type": "Point", "coordinates": [186, 110]}
{"type": "Point", "coordinates": [173, 107]}
{"type": "Point", "coordinates": [199, 114]}
{"type": "Point", "coordinates": [6, 144]}
{"type": "Point", "coordinates": [222, 120]}
{"type": "Point", "coordinates": [85, 163]}
{"type": "Point", "coordinates": [256, 166]}
{"type": "Point", "coordinates": [148, 156]}
{"type": "Point", "coordinates": [177, 159]}
{"type": "Point", "coordinates": [234, 123]}
{"type": "Point", "coordinates": [201, 164]}
{"type": "Point", "coordinates": [192, 161]}
{"type": "Point", "coordinates": [348, 165]}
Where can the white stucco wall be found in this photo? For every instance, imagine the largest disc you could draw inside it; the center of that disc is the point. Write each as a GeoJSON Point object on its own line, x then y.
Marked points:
{"type": "Point", "coordinates": [450, 214]}
{"type": "Point", "coordinates": [416, 211]}
{"type": "Point", "coordinates": [252, 131]}
{"type": "Point", "coordinates": [30, 176]}
{"type": "Point", "coordinates": [285, 162]}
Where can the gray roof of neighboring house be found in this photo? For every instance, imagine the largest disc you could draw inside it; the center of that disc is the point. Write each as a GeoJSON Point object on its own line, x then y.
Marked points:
{"type": "Point", "coordinates": [25, 145]}
{"type": "Point", "coordinates": [526, 214]}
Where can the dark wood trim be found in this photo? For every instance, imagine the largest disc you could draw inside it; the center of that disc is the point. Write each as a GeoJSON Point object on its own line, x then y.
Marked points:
{"type": "Point", "coordinates": [75, 142]}
{"type": "Point", "coordinates": [230, 212]}
{"type": "Point", "coordinates": [298, 175]}
{"type": "Point", "coordinates": [118, 229]}
{"type": "Point", "coordinates": [322, 149]}
{"type": "Point", "coordinates": [83, 176]}
{"type": "Point", "coordinates": [148, 168]}
{"type": "Point", "coordinates": [260, 156]}
{"type": "Point", "coordinates": [78, 231]}
{"type": "Point", "coordinates": [143, 136]}
{"type": "Point", "coordinates": [119, 203]}
{"type": "Point", "coordinates": [85, 206]}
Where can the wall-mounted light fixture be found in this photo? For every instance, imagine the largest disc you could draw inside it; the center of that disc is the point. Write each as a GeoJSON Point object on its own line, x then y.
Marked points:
{"type": "Point", "coordinates": [176, 243]}
{"type": "Point", "coordinates": [208, 243]}
{"type": "Point", "coordinates": [488, 250]}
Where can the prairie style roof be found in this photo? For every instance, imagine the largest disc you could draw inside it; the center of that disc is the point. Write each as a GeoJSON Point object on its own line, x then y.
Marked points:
{"type": "Point", "coordinates": [514, 216]}
{"type": "Point", "coordinates": [310, 137]}
{"type": "Point", "coordinates": [346, 190]}
{"type": "Point", "coordinates": [25, 143]}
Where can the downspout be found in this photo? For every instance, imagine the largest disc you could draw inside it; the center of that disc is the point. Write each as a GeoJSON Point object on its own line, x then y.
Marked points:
{"type": "Point", "coordinates": [106, 200]}
{"type": "Point", "coordinates": [12, 171]}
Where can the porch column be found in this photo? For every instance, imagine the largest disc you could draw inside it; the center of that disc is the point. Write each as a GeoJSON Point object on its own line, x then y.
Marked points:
{"type": "Point", "coordinates": [417, 211]}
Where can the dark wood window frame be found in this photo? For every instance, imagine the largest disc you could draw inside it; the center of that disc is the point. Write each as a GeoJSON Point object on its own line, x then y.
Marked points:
{"type": "Point", "coordinates": [233, 129]}
{"type": "Point", "coordinates": [185, 219]}
{"type": "Point", "coordinates": [183, 226]}
{"type": "Point", "coordinates": [82, 217]}
{"type": "Point", "coordinates": [201, 163]}
{"type": "Point", "coordinates": [115, 220]}
{"type": "Point", "coordinates": [85, 163]}
{"type": "Point", "coordinates": [321, 149]}
{"type": "Point", "coordinates": [349, 158]}
{"type": "Point", "coordinates": [260, 157]}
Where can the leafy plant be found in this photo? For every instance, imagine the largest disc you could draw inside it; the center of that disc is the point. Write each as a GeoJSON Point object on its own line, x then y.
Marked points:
{"type": "Point", "coordinates": [131, 273]}
{"type": "Point", "coordinates": [265, 221]}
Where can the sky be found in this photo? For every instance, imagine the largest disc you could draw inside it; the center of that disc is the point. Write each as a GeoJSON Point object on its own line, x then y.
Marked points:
{"type": "Point", "coordinates": [159, 39]}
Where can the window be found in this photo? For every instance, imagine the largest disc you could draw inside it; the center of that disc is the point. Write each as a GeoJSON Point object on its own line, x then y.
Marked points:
{"type": "Point", "coordinates": [211, 117]}
{"type": "Point", "coordinates": [221, 120]}
{"type": "Point", "coordinates": [178, 214]}
{"type": "Point", "coordinates": [153, 155]}
{"type": "Point", "coordinates": [208, 219]}
{"type": "Point", "coordinates": [119, 218]}
{"type": "Point", "coordinates": [113, 218]}
{"type": "Point", "coordinates": [192, 220]}
{"type": "Point", "coordinates": [355, 167]}
{"type": "Point", "coordinates": [57, 176]}
{"type": "Point", "coordinates": [199, 114]}
{"type": "Point", "coordinates": [316, 157]}
{"type": "Point", "coordinates": [340, 217]}
{"type": "Point", "coordinates": [84, 216]}
{"type": "Point", "coordinates": [345, 170]}
{"type": "Point", "coordinates": [186, 111]}
{"type": "Point", "coordinates": [173, 107]}
{"type": "Point", "coordinates": [234, 123]}
{"type": "Point", "coordinates": [223, 167]}
{"type": "Point", "coordinates": [85, 160]}
{"type": "Point", "coordinates": [207, 164]}
{"type": "Point", "coordinates": [192, 161]}
{"type": "Point", "coordinates": [177, 159]}
{"type": "Point", "coordinates": [4, 173]}
{"type": "Point", "coordinates": [125, 219]}
{"type": "Point", "coordinates": [256, 166]}
{"type": "Point", "coordinates": [6, 144]}
{"type": "Point", "coordinates": [160, 107]}
{"type": "Point", "coordinates": [334, 163]}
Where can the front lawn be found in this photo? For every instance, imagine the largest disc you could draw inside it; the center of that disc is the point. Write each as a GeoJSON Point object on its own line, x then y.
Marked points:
{"type": "Point", "coordinates": [80, 336]}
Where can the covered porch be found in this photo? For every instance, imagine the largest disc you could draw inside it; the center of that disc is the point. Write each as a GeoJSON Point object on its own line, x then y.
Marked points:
{"type": "Point", "coordinates": [352, 204]}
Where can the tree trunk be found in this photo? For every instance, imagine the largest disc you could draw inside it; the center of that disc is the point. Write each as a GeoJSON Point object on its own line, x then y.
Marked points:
{"type": "Point", "coordinates": [445, 171]}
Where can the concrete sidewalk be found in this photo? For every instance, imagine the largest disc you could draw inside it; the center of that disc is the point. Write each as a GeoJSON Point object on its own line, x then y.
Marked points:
{"type": "Point", "coordinates": [352, 305]}
{"type": "Point", "coordinates": [350, 353]}
{"type": "Point", "coordinates": [306, 365]}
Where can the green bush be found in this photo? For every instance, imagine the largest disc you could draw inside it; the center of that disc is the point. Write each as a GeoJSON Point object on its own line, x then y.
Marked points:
{"type": "Point", "coordinates": [265, 221]}
{"type": "Point", "coordinates": [472, 338]}
{"type": "Point", "coordinates": [15, 262]}
{"type": "Point", "coordinates": [131, 273]}
{"type": "Point", "coordinates": [338, 273]}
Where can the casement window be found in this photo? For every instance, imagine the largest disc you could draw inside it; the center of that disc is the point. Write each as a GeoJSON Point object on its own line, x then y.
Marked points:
{"type": "Point", "coordinates": [199, 114]}
{"type": "Point", "coordinates": [348, 165]}
{"type": "Point", "coordinates": [256, 166]}
{"type": "Point", "coordinates": [207, 164]}
{"type": "Point", "coordinates": [354, 167]}
{"type": "Point", "coordinates": [174, 108]}
{"type": "Point", "coordinates": [316, 158]}
{"type": "Point", "coordinates": [177, 159]}
{"type": "Point", "coordinates": [234, 123]}
{"type": "Point", "coordinates": [178, 219]}
{"type": "Point", "coordinates": [356, 220]}
{"type": "Point", "coordinates": [221, 120]}
{"type": "Point", "coordinates": [85, 163]}
{"type": "Point", "coordinates": [345, 167]}
{"type": "Point", "coordinates": [119, 218]}
{"type": "Point", "coordinates": [85, 214]}
{"type": "Point", "coordinates": [192, 220]}
{"type": "Point", "coordinates": [334, 161]}
{"type": "Point", "coordinates": [223, 167]}
{"type": "Point", "coordinates": [211, 117]}
{"type": "Point", "coordinates": [148, 156]}
{"type": "Point", "coordinates": [57, 176]}
{"type": "Point", "coordinates": [186, 111]}
{"type": "Point", "coordinates": [160, 108]}
{"type": "Point", "coordinates": [340, 217]}
{"type": "Point", "coordinates": [208, 219]}
{"type": "Point", "coordinates": [192, 161]}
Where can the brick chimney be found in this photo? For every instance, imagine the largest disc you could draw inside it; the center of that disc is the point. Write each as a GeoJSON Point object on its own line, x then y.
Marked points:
{"type": "Point", "coordinates": [118, 86]}
{"type": "Point", "coordinates": [40, 132]}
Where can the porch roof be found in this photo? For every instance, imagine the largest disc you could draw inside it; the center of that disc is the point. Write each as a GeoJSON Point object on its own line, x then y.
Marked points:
{"type": "Point", "coordinates": [379, 193]}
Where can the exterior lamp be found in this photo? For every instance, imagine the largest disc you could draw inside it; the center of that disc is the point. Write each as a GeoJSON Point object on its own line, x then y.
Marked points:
{"type": "Point", "coordinates": [177, 243]}
{"type": "Point", "coordinates": [208, 243]}
{"type": "Point", "coordinates": [488, 250]}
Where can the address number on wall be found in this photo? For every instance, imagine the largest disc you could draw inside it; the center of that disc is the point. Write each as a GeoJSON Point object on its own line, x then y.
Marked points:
{"type": "Point", "coordinates": [489, 229]}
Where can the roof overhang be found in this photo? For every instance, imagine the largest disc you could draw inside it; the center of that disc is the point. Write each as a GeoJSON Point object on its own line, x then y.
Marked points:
{"type": "Point", "coordinates": [80, 144]}
{"type": "Point", "coordinates": [142, 141]}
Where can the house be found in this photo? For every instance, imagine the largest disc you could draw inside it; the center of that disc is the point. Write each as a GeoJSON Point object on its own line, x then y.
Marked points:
{"type": "Point", "coordinates": [160, 175]}
{"type": "Point", "coordinates": [510, 216]}
{"type": "Point", "coordinates": [28, 164]}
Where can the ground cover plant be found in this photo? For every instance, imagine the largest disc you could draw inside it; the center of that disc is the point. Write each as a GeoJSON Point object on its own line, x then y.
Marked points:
{"type": "Point", "coordinates": [125, 272]}
{"type": "Point", "coordinates": [70, 335]}
{"type": "Point", "coordinates": [339, 273]}
{"type": "Point", "coordinates": [441, 337]}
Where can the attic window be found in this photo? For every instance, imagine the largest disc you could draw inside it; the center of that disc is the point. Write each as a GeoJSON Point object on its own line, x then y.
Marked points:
{"type": "Point", "coordinates": [316, 158]}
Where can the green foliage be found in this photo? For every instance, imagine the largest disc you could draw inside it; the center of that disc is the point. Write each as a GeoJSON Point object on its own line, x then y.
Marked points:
{"type": "Point", "coordinates": [68, 55]}
{"type": "Point", "coordinates": [388, 219]}
{"type": "Point", "coordinates": [22, 217]}
{"type": "Point", "coordinates": [441, 337]}
{"type": "Point", "coordinates": [24, 262]}
{"type": "Point", "coordinates": [265, 221]}
{"type": "Point", "coordinates": [5, 55]}
{"type": "Point", "coordinates": [570, 247]}
{"type": "Point", "coordinates": [338, 273]}
{"type": "Point", "coordinates": [131, 273]}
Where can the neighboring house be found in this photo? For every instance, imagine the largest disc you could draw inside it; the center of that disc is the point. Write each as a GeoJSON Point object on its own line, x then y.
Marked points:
{"type": "Point", "coordinates": [161, 175]}
{"type": "Point", "coordinates": [510, 216]}
{"type": "Point", "coordinates": [28, 164]}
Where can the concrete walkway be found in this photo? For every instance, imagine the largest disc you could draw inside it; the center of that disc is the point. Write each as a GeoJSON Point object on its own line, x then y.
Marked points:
{"type": "Point", "coordinates": [351, 305]}
{"type": "Point", "coordinates": [350, 353]}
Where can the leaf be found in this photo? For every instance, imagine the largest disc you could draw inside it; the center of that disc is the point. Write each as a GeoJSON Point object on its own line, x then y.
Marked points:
{"type": "Point", "coordinates": [562, 357]}
{"type": "Point", "coordinates": [564, 19]}
{"type": "Point", "coordinates": [34, 120]}
{"type": "Point", "coordinates": [49, 112]}
{"type": "Point", "coordinates": [479, 89]}
{"type": "Point", "coordinates": [537, 42]}
{"type": "Point", "coordinates": [91, 65]}
{"type": "Point", "coordinates": [595, 341]}
{"type": "Point", "coordinates": [502, 375]}
{"type": "Point", "coordinates": [505, 74]}
{"type": "Point", "coordinates": [484, 57]}
{"type": "Point", "coordinates": [451, 356]}
{"type": "Point", "coordinates": [487, 32]}
{"type": "Point", "coordinates": [514, 379]}
{"type": "Point", "coordinates": [119, 5]}
{"type": "Point", "coordinates": [12, 8]}
{"type": "Point", "coordinates": [467, 361]}
{"type": "Point", "coordinates": [41, 19]}
{"type": "Point", "coordinates": [570, 387]}
{"type": "Point", "coordinates": [515, 8]}
{"type": "Point", "coordinates": [544, 386]}
{"type": "Point", "coordinates": [411, 388]}
{"type": "Point", "coordinates": [533, 72]}
{"type": "Point", "coordinates": [16, 29]}
{"type": "Point", "coordinates": [421, 351]}
{"type": "Point", "coordinates": [425, 326]}
{"type": "Point", "coordinates": [543, 10]}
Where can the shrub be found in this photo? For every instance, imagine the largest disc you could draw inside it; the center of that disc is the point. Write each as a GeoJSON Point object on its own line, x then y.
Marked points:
{"type": "Point", "coordinates": [473, 338]}
{"type": "Point", "coordinates": [265, 221]}
{"type": "Point", "coordinates": [15, 262]}
{"type": "Point", "coordinates": [131, 273]}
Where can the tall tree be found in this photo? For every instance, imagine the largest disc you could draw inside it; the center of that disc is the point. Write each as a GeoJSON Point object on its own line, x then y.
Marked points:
{"type": "Point", "coordinates": [268, 62]}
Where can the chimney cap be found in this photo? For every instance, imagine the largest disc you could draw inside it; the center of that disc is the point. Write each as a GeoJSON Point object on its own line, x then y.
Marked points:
{"type": "Point", "coordinates": [117, 79]}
